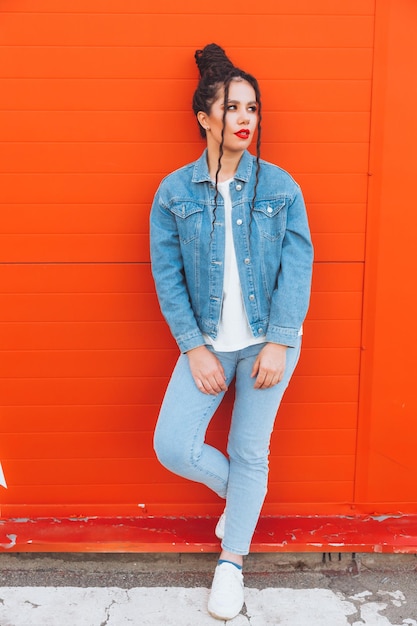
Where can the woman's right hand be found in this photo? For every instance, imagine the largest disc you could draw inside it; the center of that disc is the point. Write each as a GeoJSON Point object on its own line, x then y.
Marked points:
{"type": "Point", "coordinates": [207, 371]}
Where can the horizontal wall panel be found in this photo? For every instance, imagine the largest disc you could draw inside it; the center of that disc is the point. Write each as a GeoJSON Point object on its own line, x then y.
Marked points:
{"type": "Point", "coordinates": [137, 444]}
{"type": "Point", "coordinates": [78, 219]}
{"type": "Point", "coordinates": [149, 335]}
{"type": "Point", "coordinates": [134, 390]}
{"type": "Point", "coordinates": [342, 277]}
{"type": "Point", "coordinates": [79, 307]}
{"type": "Point", "coordinates": [293, 468]}
{"type": "Point", "coordinates": [312, 126]}
{"type": "Point", "coordinates": [313, 443]}
{"type": "Point", "coordinates": [342, 247]}
{"type": "Point", "coordinates": [134, 218]}
{"type": "Point", "coordinates": [104, 127]}
{"type": "Point", "coordinates": [126, 278]}
{"type": "Point", "coordinates": [86, 363]}
{"type": "Point", "coordinates": [337, 218]}
{"type": "Point", "coordinates": [27, 126]}
{"type": "Point", "coordinates": [311, 492]}
{"type": "Point", "coordinates": [87, 335]}
{"type": "Point", "coordinates": [124, 188]}
{"type": "Point", "coordinates": [322, 389]}
{"type": "Point", "coordinates": [137, 307]}
{"type": "Point", "coordinates": [121, 363]}
{"type": "Point", "coordinates": [330, 361]}
{"type": "Point", "coordinates": [84, 472]}
{"type": "Point", "coordinates": [325, 7]}
{"type": "Point", "coordinates": [91, 187]}
{"type": "Point", "coordinates": [340, 305]}
{"type": "Point", "coordinates": [115, 418]}
{"type": "Point", "coordinates": [76, 278]}
{"type": "Point", "coordinates": [331, 187]}
{"type": "Point", "coordinates": [317, 415]}
{"type": "Point", "coordinates": [100, 29]}
{"type": "Point", "coordinates": [134, 62]}
{"type": "Point", "coordinates": [73, 445]}
{"type": "Point", "coordinates": [332, 333]}
{"type": "Point", "coordinates": [70, 157]}
{"type": "Point", "coordinates": [128, 248]}
{"type": "Point", "coordinates": [74, 248]}
{"type": "Point", "coordinates": [80, 418]}
{"type": "Point", "coordinates": [179, 494]}
{"type": "Point", "coordinates": [334, 158]}
{"type": "Point", "coordinates": [81, 391]}
{"type": "Point", "coordinates": [99, 157]}
{"type": "Point", "coordinates": [139, 495]}
{"type": "Point", "coordinates": [175, 95]}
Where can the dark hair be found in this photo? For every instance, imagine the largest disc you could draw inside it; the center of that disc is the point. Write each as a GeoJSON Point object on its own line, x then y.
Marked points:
{"type": "Point", "coordinates": [216, 72]}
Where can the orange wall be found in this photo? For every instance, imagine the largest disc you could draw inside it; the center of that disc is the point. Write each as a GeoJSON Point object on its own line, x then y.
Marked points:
{"type": "Point", "coordinates": [94, 110]}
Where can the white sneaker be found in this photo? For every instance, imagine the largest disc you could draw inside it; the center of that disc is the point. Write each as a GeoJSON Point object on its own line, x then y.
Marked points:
{"type": "Point", "coordinates": [226, 595]}
{"type": "Point", "coordinates": [219, 530]}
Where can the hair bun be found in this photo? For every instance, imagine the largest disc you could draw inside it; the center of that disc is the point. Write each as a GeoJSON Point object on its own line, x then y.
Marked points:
{"type": "Point", "coordinates": [212, 61]}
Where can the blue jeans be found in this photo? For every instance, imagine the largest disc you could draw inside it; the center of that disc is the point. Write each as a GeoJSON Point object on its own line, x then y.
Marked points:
{"type": "Point", "coordinates": [241, 478]}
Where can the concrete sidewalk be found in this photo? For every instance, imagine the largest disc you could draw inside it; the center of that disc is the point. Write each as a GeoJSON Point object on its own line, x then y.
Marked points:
{"type": "Point", "coordinates": [172, 590]}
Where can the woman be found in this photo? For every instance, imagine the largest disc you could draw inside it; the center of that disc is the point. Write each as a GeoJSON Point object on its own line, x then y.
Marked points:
{"type": "Point", "coordinates": [231, 258]}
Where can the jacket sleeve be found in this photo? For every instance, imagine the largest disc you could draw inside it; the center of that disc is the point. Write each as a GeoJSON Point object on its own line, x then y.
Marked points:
{"type": "Point", "coordinates": [291, 296]}
{"type": "Point", "coordinates": [168, 273]}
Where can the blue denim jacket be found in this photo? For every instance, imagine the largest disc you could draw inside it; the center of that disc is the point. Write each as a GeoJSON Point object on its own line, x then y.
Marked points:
{"type": "Point", "coordinates": [272, 243]}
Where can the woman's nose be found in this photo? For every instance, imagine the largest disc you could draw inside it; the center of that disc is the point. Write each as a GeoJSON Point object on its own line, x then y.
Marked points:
{"type": "Point", "coordinates": [244, 118]}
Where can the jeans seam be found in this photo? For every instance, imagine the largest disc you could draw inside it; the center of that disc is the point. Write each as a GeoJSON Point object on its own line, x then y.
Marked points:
{"type": "Point", "coordinates": [195, 463]}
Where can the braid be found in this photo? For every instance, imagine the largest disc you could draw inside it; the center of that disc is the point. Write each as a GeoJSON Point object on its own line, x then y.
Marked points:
{"type": "Point", "coordinates": [219, 163]}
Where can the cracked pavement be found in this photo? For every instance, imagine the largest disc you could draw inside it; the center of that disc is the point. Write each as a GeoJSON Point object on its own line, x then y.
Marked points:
{"type": "Point", "coordinates": [172, 589]}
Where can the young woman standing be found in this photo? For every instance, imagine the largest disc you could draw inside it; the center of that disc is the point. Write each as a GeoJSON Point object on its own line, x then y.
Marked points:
{"type": "Point", "coordinates": [231, 258]}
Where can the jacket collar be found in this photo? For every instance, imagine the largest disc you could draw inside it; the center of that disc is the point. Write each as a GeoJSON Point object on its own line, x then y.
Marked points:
{"type": "Point", "coordinates": [243, 173]}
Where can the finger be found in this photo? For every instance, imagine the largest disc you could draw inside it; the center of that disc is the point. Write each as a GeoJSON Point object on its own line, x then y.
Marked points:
{"type": "Point", "coordinates": [217, 383]}
{"type": "Point", "coordinates": [221, 383]}
{"type": "Point", "coordinates": [260, 379]}
{"type": "Point", "coordinates": [200, 386]}
{"type": "Point", "coordinates": [255, 368]}
{"type": "Point", "coordinates": [210, 386]}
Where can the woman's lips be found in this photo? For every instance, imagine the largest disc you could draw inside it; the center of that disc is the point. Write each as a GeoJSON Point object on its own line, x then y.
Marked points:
{"type": "Point", "coordinates": [243, 134]}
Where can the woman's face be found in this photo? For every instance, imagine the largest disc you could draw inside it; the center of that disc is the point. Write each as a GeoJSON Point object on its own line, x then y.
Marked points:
{"type": "Point", "coordinates": [241, 118]}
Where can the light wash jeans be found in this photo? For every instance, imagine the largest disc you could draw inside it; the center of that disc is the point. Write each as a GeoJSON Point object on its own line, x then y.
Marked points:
{"type": "Point", "coordinates": [242, 477]}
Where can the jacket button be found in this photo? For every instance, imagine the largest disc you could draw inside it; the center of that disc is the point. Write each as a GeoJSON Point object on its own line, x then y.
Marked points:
{"type": "Point", "coordinates": [260, 331]}
{"type": "Point", "coordinates": [251, 297]}
{"type": "Point", "coordinates": [239, 222]}
{"type": "Point", "coordinates": [238, 187]}
{"type": "Point", "coordinates": [247, 261]}
{"type": "Point", "coordinates": [269, 209]}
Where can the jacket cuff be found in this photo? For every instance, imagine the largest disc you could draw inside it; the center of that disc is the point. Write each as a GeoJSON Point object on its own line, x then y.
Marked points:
{"type": "Point", "coordinates": [190, 340]}
{"type": "Point", "coordinates": [284, 336]}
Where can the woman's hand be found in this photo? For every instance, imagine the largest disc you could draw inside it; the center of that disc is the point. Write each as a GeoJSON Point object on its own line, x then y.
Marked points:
{"type": "Point", "coordinates": [269, 366]}
{"type": "Point", "coordinates": [207, 371]}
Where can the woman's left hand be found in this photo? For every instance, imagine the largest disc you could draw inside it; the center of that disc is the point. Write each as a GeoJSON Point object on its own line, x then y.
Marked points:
{"type": "Point", "coordinates": [269, 366]}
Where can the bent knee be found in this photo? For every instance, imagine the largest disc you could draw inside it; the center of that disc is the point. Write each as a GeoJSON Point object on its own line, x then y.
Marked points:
{"type": "Point", "coordinates": [169, 452]}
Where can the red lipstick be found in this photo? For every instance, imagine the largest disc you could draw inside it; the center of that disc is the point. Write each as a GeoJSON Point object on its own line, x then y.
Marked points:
{"type": "Point", "coordinates": [243, 134]}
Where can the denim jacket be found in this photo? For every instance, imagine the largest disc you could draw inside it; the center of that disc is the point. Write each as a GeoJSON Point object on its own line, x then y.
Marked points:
{"type": "Point", "coordinates": [272, 243]}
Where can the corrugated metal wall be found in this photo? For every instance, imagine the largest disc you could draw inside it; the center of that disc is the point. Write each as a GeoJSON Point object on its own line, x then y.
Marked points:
{"type": "Point", "coordinates": [95, 109]}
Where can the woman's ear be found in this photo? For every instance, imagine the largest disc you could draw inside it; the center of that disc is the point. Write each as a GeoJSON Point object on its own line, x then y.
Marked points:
{"type": "Point", "coordinates": [202, 119]}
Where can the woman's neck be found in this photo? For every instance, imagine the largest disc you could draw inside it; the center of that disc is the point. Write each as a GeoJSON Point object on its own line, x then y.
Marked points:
{"type": "Point", "coordinates": [229, 165]}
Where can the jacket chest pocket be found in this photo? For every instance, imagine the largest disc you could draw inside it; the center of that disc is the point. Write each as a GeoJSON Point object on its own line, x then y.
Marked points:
{"type": "Point", "coordinates": [270, 217]}
{"type": "Point", "coordinates": [189, 218]}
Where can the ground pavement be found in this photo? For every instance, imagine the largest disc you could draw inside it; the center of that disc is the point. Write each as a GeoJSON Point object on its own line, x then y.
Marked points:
{"type": "Point", "coordinates": [172, 590]}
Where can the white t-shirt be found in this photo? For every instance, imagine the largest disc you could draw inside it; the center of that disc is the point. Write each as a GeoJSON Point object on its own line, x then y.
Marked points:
{"type": "Point", "coordinates": [234, 332]}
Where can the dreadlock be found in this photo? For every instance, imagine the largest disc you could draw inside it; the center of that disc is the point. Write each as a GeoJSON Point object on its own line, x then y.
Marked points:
{"type": "Point", "coordinates": [216, 73]}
